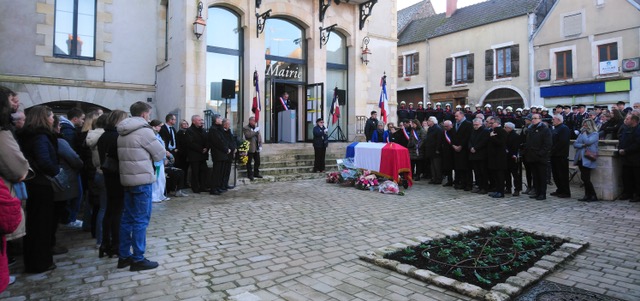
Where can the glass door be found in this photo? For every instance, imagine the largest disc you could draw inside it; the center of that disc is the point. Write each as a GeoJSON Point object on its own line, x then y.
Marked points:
{"type": "Point", "coordinates": [314, 108]}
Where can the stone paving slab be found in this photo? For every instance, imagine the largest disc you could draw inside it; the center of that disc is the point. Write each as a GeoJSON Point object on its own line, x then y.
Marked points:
{"type": "Point", "coordinates": [300, 240]}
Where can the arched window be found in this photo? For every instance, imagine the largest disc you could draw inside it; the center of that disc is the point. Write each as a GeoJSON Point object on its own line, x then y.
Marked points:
{"type": "Point", "coordinates": [337, 75]}
{"type": "Point", "coordinates": [224, 61]}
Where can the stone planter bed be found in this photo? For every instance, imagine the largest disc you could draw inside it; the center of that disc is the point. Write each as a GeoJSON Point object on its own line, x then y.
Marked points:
{"type": "Point", "coordinates": [563, 248]}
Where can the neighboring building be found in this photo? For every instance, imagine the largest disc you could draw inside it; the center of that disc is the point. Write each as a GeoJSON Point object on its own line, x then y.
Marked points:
{"type": "Point", "coordinates": [588, 52]}
{"type": "Point", "coordinates": [112, 53]}
{"type": "Point", "coordinates": [412, 44]}
{"type": "Point", "coordinates": [473, 55]}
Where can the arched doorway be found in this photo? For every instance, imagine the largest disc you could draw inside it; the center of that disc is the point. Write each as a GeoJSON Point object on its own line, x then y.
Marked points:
{"type": "Point", "coordinates": [285, 71]}
{"type": "Point", "coordinates": [504, 97]}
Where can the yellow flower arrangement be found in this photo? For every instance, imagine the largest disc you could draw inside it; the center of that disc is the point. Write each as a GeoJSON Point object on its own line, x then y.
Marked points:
{"type": "Point", "coordinates": [242, 153]}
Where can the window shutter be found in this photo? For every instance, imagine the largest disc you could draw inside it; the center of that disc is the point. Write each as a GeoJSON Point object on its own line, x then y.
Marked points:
{"type": "Point", "coordinates": [470, 68]}
{"type": "Point", "coordinates": [515, 60]}
{"type": "Point", "coordinates": [416, 63]}
{"type": "Point", "coordinates": [400, 66]}
{"type": "Point", "coordinates": [448, 72]}
{"type": "Point", "coordinates": [488, 64]}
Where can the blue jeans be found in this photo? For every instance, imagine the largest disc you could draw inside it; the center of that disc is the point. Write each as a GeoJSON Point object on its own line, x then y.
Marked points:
{"type": "Point", "coordinates": [99, 189]}
{"type": "Point", "coordinates": [73, 206]}
{"type": "Point", "coordinates": [135, 219]}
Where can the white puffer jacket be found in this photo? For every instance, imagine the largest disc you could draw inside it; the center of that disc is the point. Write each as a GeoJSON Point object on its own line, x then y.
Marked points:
{"type": "Point", "coordinates": [138, 148]}
{"type": "Point", "coordinates": [92, 143]}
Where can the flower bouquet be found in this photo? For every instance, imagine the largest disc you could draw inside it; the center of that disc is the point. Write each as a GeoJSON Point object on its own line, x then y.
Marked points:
{"type": "Point", "coordinates": [348, 177]}
{"type": "Point", "coordinates": [243, 149]}
{"type": "Point", "coordinates": [333, 177]}
{"type": "Point", "coordinates": [390, 187]}
{"type": "Point", "coordinates": [367, 181]}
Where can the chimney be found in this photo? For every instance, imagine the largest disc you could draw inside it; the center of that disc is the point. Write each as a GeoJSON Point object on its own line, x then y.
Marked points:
{"type": "Point", "coordinates": [452, 5]}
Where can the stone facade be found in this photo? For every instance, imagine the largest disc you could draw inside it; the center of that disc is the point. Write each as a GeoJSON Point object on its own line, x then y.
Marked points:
{"type": "Point", "coordinates": [146, 50]}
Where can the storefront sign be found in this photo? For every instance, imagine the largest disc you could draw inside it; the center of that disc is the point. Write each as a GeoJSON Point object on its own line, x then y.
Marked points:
{"type": "Point", "coordinates": [608, 67]}
{"type": "Point", "coordinates": [284, 70]}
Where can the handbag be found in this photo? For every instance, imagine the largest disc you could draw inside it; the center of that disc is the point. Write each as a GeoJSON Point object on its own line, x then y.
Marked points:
{"type": "Point", "coordinates": [60, 182]}
{"type": "Point", "coordinates": [592, 156]}
{"type": "Point", "coordinates": [110, 164]}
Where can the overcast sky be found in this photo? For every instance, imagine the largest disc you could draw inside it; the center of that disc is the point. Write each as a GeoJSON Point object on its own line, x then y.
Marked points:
{"type": "Point", "coordinates": [438, 5]}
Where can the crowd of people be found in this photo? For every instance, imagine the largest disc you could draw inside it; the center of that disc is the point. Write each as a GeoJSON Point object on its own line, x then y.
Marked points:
{"type": "Point", "coordinates": [486, 151]}
{"type": "Point", "coordinates": [102, 172]}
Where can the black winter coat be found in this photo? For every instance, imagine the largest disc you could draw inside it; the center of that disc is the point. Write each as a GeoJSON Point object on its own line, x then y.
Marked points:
{"type": "Point", "coordinates": [630, 143]}
{"type": "Point", "coordinates": [497, 149]}
{"type": "Point", "coordinates": [538, 146]}
{"type": "Point", "coordinates": [560, 138]}
{"type": "Point", "coordinates": [369, 127]}
{"type": "Point", "coordinates": [217, 143]}
{"type": "Point", "coordinates": [40, 147]}
{"type": "Point", "coordinates": [447, 150]}
{"type": "Point", "coordinates": [478, 141]}
{"type": "Point", "coordinates": [433, 143]}
{"type": "Point", "coordinates": [196, 142]}
{"type": "Point", "coordinates": [461, 138]}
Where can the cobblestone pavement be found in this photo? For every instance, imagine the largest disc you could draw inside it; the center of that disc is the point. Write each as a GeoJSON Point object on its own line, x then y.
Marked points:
{"type": "Point", "coordinates": [300, 240]}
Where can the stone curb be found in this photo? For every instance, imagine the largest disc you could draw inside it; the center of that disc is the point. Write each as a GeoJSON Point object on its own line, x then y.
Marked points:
{"type": "Point", "coordinates": [511, 288]}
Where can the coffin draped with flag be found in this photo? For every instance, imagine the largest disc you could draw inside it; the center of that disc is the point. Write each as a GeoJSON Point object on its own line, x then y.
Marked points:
{"type": "Point", "coordinates": [386, 159]}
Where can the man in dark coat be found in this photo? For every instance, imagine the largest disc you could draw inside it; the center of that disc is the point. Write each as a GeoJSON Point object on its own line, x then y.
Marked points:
{"type": "Point", "coordinates": [537, 153]}
{"type": "Point", "coordinates": [497, 161]}
{"type": "Point", "coordinates": [560, 157]}
{"type": "Point", "coordinates": [403, 112]}
{"type": "Point", "coordinates": [420, 112]}
{"type": "Point", "coordinates": [629, 151]}
{"type": "Point", "coordinates": [460, 142]}
{"type": "Point", "coordinates": [230, 140]}
{"type": "Point", "coordinates": [219, 155]}
{"type": "Point", "coordinates": [401, 136]}
{"type": "Point", "coordinates": [371, 125]}
{"type": "Point", "coordinates": [433, 149]}
{"type": "Point", "coordinates": [478, 155]}
{"type": "Point", "coordinates": [447, 151]}
{"type": "Point", "coordinates": [513, 174]}
{"type": "Point", "coordinates": [197, 154]}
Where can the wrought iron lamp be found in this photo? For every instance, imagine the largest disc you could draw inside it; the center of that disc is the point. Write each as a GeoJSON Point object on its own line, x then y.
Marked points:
{"type": "Point", "coordinates": [365, 51]}
{"type": "Point", "coordinates": [199, 24]}
{"type": "Point", "coordinates": [325, 33]}
{"type": "Point", "coordinates": [261, 20]}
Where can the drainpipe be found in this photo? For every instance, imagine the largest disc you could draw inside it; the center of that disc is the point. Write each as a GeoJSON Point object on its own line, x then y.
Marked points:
{"type": "Point", "coordinates": [532, 89]}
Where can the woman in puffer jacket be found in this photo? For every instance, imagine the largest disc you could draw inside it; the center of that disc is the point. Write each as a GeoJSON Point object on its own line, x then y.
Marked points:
{"type": "Point", "coordinates": [39, 145]}
{"type": "Point", "coordinates": [71, 164]}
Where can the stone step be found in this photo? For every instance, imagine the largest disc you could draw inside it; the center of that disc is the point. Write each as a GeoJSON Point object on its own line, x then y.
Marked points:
{"type": "Point", "coordinates": [294, 170]}
{"type": "Point", "coordinates": [291, 163]}
{"type": "Point", "coordinates": [282, 178]}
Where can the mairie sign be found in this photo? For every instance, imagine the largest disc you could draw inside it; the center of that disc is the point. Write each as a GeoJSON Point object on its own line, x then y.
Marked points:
{"type": "Point", "coordinates": [285, 70]}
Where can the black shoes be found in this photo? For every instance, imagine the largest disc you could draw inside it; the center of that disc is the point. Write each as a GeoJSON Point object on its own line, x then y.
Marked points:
{"type": "Point", "coordinates": [123, 263]}
{"type": "Point", "coordinates": [230, 187]}
{"type": "Point", "coordinates": [142, 265]}
{"type": "Point", "coordinates": [516, 193]}
{"type": "Point", "coordinates": [541, 197]}
{"type": "Point", "coordinates": [215, 192]}
{"type": "Point", "coordinates": [57, 250]}
{"type": "Point", "coordinates": [624, 197]}
{"type": "Point", "coordinates": [258, 176]}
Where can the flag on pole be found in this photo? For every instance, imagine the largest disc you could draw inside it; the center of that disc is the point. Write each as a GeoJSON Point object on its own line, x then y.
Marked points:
{"type": "Point", "coordinates": [384, 100]}
{"type": "Point", "coordinates": [335, 106]}
{"type": "Point", "coordinates": [255, 108]}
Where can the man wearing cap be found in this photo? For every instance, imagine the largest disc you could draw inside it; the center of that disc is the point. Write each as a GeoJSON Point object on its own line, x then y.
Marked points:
{"type": "Point", "coordinates": [371, 125]}
{"type": "Point", "coordinates": [403, 112]}
{"type": "Point", "coordinates": [518, 120]}
{"type": "Point", "coordinates": [448, 113]}
{"type": "Point", "coordinates": [579, 117]}
{"type": "Point", "coordinates": [439, 112]}
{"type": "Point", "coordinates": [487, 110]}
{"type": "Point", "coordinates": [468, 113]}
{"type": "Point", "coordinates": [429, 111]}
{"type": "Point", "coordinates": [412, 112]}
{"type": "Point", "coordinates": [566, 116]}
{"type": "Point", "coordinates": [499, 112]}
{"type": "Point", "coordinates": [420, 112]}
{"type": "Point", "coordinates": [478, 110]}
{"type": "Point", "coordinates": [320, 143]}
{"type": "Point", "coordinates": [621, 106]}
